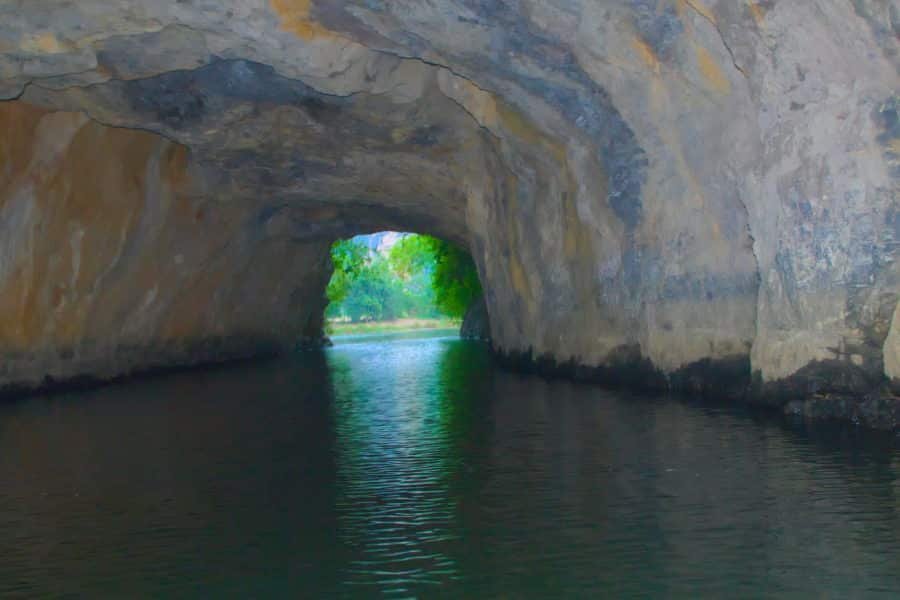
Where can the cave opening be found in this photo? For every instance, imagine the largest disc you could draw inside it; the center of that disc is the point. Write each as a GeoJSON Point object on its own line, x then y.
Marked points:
{"type": "Point", "coordinates": [393, 281]}
{"type": "Point", "coordinates": [660, 199]}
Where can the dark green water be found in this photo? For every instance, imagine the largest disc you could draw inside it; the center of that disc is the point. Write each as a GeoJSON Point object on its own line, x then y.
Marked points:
{"type": "Point", "coordinates": [411, 467]}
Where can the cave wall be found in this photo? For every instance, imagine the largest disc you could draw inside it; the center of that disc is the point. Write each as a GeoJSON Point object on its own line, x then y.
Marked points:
{"type": "Point", "coordinates": [678, 192]}
{"type": "Point", "coordinates": [114, 261]}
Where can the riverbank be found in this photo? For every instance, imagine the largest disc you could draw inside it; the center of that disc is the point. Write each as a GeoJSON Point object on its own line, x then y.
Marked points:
{"type": "Point", "coordinates": [346, 328]}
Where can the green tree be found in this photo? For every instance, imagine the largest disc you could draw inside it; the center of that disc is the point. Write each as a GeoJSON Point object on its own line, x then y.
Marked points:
{"type": "Point", "coordinates": [454, 278]}
{"type": "Point", "coordinates": [412, 260]}
{"type": "Point", "coordinates": [422, 276]}
{"type": "Point", "coordinates": [349, 259]}
{"type": "Point", "coordinates": [375, 293]}
{"type": "Point", "coordinates": [412, 255]}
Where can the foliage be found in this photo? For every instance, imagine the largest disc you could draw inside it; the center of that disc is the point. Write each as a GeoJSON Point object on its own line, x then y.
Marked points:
{"type": "Point", "coordinates": [454, 278]}
{"type": "Point", "coordinates": [349, 259]}
{"type": "Point", "coordinates": [421, 277]}
{"type": "Point", "coordinates": [413, 254]}
{"type": "Point", "coordinates": [375, 293]}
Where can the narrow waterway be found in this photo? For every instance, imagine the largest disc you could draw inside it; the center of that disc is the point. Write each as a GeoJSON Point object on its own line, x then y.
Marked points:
{"type": "Point", "coordinates": [409, 466]}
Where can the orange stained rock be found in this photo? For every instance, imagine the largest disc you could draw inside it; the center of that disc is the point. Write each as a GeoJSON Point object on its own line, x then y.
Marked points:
{"type": "Point", "coordinates": [757, 11]}
{"type": "Point", "coordinates": [712, 72]}
{"type": "Point", "coordinates": [894, 146]}
{"type": "Point", "coordinates": [43, 43]}
{"type": "Point", "coordinates": [646, 54]}
{"type": "Point", "coordinates": [96, 183]}
{"type": "Point", "coordinates": [515, 123]}
{"type": "Point", "coordinates": [17, 122]}
{"type": "Point", "coordinates": [519, 280]}
{"type": "Point", "coordinates": [294, 17]}
{"type": "Point", "coordinates": [699, 8]}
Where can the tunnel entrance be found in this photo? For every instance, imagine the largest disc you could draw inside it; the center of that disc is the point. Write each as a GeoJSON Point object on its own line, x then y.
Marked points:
{"type": "Point", "coordinates": [389, 281]}
{"type": "Point", "coordinates": [171, 184]}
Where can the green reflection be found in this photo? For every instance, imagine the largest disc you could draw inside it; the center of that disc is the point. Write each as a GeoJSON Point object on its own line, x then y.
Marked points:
{"type": "Point", "coordinates": [401, 416]}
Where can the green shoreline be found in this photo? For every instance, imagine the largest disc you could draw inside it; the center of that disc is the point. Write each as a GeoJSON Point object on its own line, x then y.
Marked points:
{"type": "Point", "coordinates": [337, 328]}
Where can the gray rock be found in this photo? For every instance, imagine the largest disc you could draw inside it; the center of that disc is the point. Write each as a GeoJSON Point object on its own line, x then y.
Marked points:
{"type": "Point", "coordinates": [701, 183]}
{"type": "Point", "coordinates": [476, 324]}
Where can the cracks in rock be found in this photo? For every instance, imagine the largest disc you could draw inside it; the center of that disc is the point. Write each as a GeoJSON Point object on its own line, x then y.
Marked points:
{"type": "Point", "coordinates": [759, 282]}
{"type": "Point", "coordinates": [36, 80]}
{"type": "Point", "coordinates": [88, 87]}
{"type": "Point", "coordinates": [484, 128]}
{"type": "Point", "coordinates": [95, 119]}
{"type": "Point", "coordinates": [97, 69]}
{"type": "Point", "coordinates": [711, 20]}
{"type": "Point", "coordinates": [431, 63]}
{"type": "Point", "coordinates": [443, 67]}
{"type": "Point", "coordinates": [752, 238]}
{"type": "Point", "coordinates": [21, 93]}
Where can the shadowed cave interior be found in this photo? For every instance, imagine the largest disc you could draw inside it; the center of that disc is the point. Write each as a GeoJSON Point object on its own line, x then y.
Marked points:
{"type": "Point", "coordinates": [653, 197]}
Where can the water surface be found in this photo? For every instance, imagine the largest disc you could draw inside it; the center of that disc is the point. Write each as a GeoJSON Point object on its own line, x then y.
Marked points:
{"type": "Point", "coordinates": [409, 466]}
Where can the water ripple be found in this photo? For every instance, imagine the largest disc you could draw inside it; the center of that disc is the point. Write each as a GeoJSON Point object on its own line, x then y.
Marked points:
{"type": "Point", "coordinates": [409, 468]}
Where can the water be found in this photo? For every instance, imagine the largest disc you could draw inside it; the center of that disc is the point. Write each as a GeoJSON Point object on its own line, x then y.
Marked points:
{"type": "Point", "coordinates": [408, 466]}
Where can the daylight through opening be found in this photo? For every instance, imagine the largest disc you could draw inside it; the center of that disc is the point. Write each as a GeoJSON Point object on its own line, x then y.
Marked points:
{"type": "Point", "coordinates": [398, 280]}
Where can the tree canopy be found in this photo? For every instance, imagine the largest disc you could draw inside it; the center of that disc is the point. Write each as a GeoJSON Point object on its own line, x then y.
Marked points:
{"type": "Point", "coordinates": [421, 276]}
{"type": "Point", "coordinates": [349, 259]}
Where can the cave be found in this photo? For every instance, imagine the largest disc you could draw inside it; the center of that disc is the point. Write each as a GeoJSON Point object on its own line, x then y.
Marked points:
{"type": "Point", "coordinates": [674, 195]}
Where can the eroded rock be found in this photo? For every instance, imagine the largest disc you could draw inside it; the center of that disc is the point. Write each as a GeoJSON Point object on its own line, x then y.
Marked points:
{"type": "Point", "coordinates": [695, 191]}
{"type": "Point", "coordinates": [476, 324]}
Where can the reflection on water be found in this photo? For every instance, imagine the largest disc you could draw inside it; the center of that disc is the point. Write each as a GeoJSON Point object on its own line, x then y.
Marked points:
{"type": "Point", "coordinates": [408, 466]}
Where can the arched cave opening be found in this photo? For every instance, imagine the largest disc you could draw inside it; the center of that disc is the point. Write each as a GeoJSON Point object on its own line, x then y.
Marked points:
{"type": "Point", "coordinates": [170, 185]}
{"type": "Point", "coordinates": [395, 281]}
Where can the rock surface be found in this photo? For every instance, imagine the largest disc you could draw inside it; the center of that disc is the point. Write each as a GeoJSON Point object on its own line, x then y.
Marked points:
{"type": "Point", "coordinates": [476, 324]}
{"type": "Point", "coordinates": [687, 189]}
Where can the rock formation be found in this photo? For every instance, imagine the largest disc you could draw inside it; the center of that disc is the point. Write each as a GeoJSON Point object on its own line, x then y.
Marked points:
{"type": "Point", "coordinates": [690, 191]}
{"type": "Point", "coordinates": [476, 323]}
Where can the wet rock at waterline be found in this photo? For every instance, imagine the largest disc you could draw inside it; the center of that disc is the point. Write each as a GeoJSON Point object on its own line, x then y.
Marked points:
{"type": "Point", "coordinates": [672, 187]}
{"type": "Point", "coordinates": [476, 324]}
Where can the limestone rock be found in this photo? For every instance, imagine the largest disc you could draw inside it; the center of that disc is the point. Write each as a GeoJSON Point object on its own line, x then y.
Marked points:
{"type": "Point", "coordinates": [666, 184]}
{"type": "Point", "coordinates": [476, 324]}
